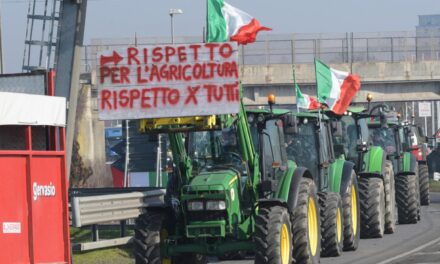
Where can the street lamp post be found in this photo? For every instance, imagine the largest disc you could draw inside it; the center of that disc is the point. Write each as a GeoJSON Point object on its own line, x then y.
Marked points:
{"type": "Point", "coordinates": [173, 12]}
{"type": "Point", "coordinates": [159, 136]}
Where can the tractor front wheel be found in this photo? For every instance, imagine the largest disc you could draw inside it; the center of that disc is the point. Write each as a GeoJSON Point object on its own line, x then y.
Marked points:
{"type": "Point", "coordinates": [372, 200]}
{"type": "Point", "coordinates": [351, 214]}
{"type": "Point", "coordinates": [406, 198]}
{"type": "Point", "coordinates": [390, 198]}
{"type": "Point", "coordinates": [424, 184]}
{"type": "Point", "coordinates": [306, 225]}
{"type": "Point", "coordinates": [331, 224]}
{"type": "Point", "coordinates": [273, 236]}
{"type": "Point", "coordinates": [151, 230]}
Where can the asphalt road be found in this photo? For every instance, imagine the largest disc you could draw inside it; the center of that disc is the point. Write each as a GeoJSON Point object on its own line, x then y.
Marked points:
{"type": "Point", "coordinates": [411, 244]}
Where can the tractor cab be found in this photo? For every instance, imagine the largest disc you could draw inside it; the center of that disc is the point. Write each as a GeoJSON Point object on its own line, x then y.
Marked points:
{"type": "Point", "coordinates": [310, 146]}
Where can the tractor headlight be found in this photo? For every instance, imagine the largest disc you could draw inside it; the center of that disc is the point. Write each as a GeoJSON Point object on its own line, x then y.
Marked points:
{"type": "Point", "coordinates": [195, 206]}
{"type": "Point", "coordinates": [215, 205]}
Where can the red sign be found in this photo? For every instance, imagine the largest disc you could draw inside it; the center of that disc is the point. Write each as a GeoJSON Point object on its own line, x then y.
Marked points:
{"type": "Point", "coordinates": [168, 81]}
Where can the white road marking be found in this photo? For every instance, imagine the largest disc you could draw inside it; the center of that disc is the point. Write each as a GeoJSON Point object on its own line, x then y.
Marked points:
{"type": "Point", "coordinates": [427, 253]}
{"type": "Point", "coordinates": [410, 252]}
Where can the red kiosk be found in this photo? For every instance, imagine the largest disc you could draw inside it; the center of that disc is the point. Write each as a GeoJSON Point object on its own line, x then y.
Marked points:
{"type": "Point", "coordinates": [34, 223]}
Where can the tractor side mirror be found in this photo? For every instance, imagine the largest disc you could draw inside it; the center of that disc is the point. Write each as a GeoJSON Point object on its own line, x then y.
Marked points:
{"type": "Point", "coordinates": [291, 124]}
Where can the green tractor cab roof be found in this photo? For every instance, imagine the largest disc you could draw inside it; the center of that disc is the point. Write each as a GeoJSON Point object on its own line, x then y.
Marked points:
{"type": "Point", "coordinates": [264, 111]}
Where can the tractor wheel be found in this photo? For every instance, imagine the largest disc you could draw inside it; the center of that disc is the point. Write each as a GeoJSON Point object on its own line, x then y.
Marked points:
{"type": "Point", "coordinates": [406, 198]}
{"type": "Point", "coordinates": [424, 184]}
{"type": "Point", "coordinates": [390, 199]}
{"type": "Point", "coordinates": [372, 200]}
{"type": "Point", "coordinates": [306, 225]}
{"type": "Point", "coordinates": [273, 236]}
{"type": "Point", "coordinates": [151, 229]}
{"type": "Point", "coordinates": [331, 224]}
{"type": "Point", "coordinates": [351, 214]}
{"type": "Point", "coordinates": [416, 171]}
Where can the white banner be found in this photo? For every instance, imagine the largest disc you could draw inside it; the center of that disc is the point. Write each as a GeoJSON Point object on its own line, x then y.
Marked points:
{"type": "Point", "coordinates": [168, 81]}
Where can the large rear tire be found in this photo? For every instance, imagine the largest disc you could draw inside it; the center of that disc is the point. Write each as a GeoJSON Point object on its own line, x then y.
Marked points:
{"type": "Point", "coordinates": [273, 236]}
{"type": "Point", "coordinates": [406, 198]}
{"type": "Point", "coordinates": [306, 225]}
{"type": "Point", "coordinates": [424, 184]}
{"type": "Point", "coordinates": [332, 240]}
{"type": "Point", "coordinates": [390, 198]}
{"type": "Point", "coordinates": [372, 200]}
{"type": "Point", "coordinates": [351, 214]}
{"type": "Point", "coordinates": [151, 229]}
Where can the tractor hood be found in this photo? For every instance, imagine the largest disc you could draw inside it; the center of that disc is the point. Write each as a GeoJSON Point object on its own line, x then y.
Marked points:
{"type": "Point", "coordinates": [214, 180]}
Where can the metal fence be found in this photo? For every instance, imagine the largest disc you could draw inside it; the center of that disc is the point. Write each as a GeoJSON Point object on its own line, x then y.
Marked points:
{"type": "Point", "coordinates": [303, 48]}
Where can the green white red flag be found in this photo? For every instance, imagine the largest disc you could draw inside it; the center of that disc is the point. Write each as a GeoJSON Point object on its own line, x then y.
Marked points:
{"type": "Point", "coordinates": [305, 101]}
{"type": "Point", "coordinates": [227, 23]}
{"type": "Point", "coordinates": [335, 88]}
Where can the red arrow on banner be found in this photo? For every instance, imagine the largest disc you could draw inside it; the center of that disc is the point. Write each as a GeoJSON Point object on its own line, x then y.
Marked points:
{"type": "Point", "coordinates": [115, 58]}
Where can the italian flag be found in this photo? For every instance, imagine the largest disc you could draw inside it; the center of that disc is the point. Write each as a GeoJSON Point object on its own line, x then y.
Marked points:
{"type": "Point", "coordinates": [305, 101]}
{"type": "Point", "coordinates": [227, 23]}
{"type": "Point", "coordinates": [335, 88]}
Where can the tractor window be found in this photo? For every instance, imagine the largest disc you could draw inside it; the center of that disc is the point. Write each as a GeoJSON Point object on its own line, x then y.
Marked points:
{"type": "Point", "coordinates": [405, 136]}
{"type": "Point", "coordinates": [350, 137]}
{"type": "Point", "coordinates": [302, 147]}
{"type": "Point", "coordinates": [325, 152]}
{"type": "Point", "coordinates": [215, 150]}
{"type": "Point", "coordinates": [365, 134]}
{"type": "Point", "coordinates": [273, 152]}
{"type": "Point", "coordinates": [385, 138]}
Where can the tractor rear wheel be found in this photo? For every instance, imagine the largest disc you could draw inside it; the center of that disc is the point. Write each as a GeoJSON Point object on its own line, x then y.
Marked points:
{"type": "Point", "coordinates": [273, 236]}
{"type": "Point", "coordinates": [151, 229]}
{"type": "Point", "coordinates": [372, 200]}
{"type": "Point", "coordinates": [424, 184]}
{"type": "Point", "coordinates": [331, 224]}
{"type": "Point", "coordinates": [390, 198]}
{"type": "Point", "coordinates": [406, 198]}
{"type": "Point", "coordinates": [306, 225]}
{"type": "Point", "coordinates": [351, 214]}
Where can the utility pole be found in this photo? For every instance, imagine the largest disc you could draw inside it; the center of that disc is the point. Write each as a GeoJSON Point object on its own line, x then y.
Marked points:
{"type": "Point", "coordinates": [68, 63]}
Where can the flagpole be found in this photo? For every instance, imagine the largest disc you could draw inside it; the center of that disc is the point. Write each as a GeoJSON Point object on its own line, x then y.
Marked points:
{"type": "Point", "coordinates": [317, 97]}
{"type": "Point", "coordinates": [294, 84]}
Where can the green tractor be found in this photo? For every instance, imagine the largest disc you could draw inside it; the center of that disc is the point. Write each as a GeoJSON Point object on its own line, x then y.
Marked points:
{"type": "Point", "coordinates": [310, 146]}
{"type": "Point", "coordinates": [375, 173]}
{"type": "Point", "coordinates": [416, 142]}
{"type": "Point", "coordinates": [387, 133]}
{"type": "Point", "coordinates": [226, 195]}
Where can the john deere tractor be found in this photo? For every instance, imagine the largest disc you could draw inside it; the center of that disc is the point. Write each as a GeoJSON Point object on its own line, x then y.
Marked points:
{"type": "Point", "coordinates": [310, 146]}
{"type": "Point", "coordinates": [226, 195]}
{"type": "Point", "coordinates": [375, 173]}
{"type": "Point", "coordinates": [387, 132]}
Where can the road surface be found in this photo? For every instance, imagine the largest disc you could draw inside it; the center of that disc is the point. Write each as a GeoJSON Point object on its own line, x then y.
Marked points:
{"type": "Point", "coordinates": [411, 244]}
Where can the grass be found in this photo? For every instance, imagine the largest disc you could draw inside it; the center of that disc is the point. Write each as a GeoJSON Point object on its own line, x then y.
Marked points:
{"type": "Point", "coordinates": [434, 186]}
{"type": "Point", "coordinates": [115, 255]}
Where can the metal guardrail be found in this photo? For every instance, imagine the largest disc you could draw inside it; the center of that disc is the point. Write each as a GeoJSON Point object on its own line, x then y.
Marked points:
{"type": "Point", "coordinates": [304, 48]}
{"type": "Point", "coordinates": [88, 210]}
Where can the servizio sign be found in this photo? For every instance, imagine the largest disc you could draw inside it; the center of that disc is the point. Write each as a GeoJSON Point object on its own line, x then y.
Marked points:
{"type": "Point", "coordinates": [168, 81]}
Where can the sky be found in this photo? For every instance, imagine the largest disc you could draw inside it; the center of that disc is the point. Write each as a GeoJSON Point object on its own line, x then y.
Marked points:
{"type": "Point", "coordinates": [125, 18]}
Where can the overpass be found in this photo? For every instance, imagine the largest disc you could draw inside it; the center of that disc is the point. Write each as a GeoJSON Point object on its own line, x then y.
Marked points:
{"type": "Point", "coordinates": [387, 81]}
